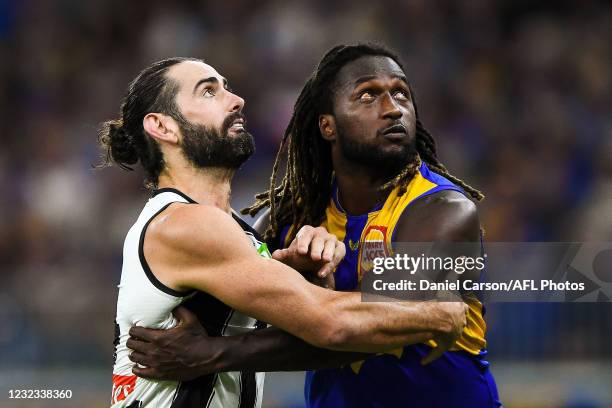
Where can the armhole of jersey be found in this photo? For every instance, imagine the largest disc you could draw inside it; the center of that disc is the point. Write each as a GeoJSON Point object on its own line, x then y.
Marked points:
{"type": "Point", "coordinates": [246, 227]}
{"type": "Point", "coordinates": [425, 194]}
{"type": "Point", "coordinates": [145, 265]}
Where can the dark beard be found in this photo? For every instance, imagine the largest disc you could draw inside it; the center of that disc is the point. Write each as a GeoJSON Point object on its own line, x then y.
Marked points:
{"type": "Point", "coordinates": [207, 147]}
{"type": "Point", "coordinates": [386, 163]}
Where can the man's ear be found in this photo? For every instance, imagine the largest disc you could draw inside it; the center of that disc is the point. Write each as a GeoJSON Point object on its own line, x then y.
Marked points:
{"type": "Point", "coordinates": [161, 127]}
{"type": "Point", "coordinates": [327, 127]}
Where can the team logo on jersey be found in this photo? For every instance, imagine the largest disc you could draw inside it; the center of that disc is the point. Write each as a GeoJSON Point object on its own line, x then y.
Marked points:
{"type": "Point", "coordinates": [374, 246]}
{"type": "Point", "coordinates": [263, 250]}
{"type": "Point", "coordinates": [353, 245]}
{"type": "Point", "coordinates": [123, 385]}
{"type": "Point", "coordinates": [261, 247]}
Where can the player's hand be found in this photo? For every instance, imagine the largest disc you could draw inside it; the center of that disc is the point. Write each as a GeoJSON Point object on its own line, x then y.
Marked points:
{"type": "Point", "coordinates": [455, 315]}
{"type": "Point", "coordinates": [181, 353]}
{"type": "Point", "coordinates": [328, 282]}
{"type": "Point", "coordinates": [313, 250]}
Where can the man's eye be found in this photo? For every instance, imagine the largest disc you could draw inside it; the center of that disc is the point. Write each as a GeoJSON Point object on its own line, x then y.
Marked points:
{"type": "Point", "coordinates": [366, 97]}
{"type": "Point", "coordinates": [209, 92]}
{"type": "Point", "coordinates": [400, 95]}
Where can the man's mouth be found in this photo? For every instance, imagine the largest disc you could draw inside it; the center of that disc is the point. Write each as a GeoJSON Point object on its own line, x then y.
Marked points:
{"type": "Point", "coordinates": [237, 125]}
{"type": "Point", "coordinates": [395, 131]}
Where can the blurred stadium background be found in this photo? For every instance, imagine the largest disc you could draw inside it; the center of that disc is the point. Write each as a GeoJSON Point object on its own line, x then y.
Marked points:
{"type": "Point", "coordinates": [517, 95]}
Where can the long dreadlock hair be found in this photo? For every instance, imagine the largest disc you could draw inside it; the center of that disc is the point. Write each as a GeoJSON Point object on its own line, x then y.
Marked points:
{"type": "Point", "coordinates": [304, 192]}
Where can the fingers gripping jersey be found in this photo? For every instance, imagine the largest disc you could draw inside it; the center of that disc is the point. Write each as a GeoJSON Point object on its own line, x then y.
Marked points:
{"type": "Point", "coordinates": [144, 301]}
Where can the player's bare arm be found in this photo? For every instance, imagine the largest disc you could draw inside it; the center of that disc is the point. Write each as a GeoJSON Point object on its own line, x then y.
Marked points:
{"type": "Point", "coordinates": [226, 266]}
{"type": "Point", "coordinates": [186, 351]}
{"type": "Point", "coordinates": [447, 216]}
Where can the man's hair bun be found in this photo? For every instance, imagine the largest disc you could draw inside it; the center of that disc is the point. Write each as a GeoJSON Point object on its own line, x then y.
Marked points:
{"type": "Point", "coordinates": [119, 144]}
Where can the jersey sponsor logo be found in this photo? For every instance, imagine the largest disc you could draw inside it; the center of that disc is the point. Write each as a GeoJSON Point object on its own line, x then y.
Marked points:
{"type": "Point", "coordinates": [123, 386]}
{"type": "Point", "coordinates": [353, 245]}
{"type": "Point", "coordinates": [374, 246]}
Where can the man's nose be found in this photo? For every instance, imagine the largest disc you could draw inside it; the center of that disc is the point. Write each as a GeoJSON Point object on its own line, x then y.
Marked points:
{"type": "Point", "coordinates": [390, 107]}
{"type": "Point", "coordinates": [237, 103]}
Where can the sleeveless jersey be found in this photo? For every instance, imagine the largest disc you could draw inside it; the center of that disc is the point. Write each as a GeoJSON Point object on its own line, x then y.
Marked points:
{"type": "Point", "coordinates": [144, 301]}
{"type": "Point", "coordinates": [396, 378]}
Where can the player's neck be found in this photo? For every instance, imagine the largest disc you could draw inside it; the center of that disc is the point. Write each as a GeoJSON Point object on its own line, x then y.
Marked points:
{"type": "Point", "coordinates": [210, 186]}
{"type": "Point", "coordinates": [358, 188]}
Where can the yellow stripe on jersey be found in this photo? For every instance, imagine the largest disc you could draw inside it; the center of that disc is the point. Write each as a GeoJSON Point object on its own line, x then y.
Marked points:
{"type": "Point", "coordinates": [335, 222]}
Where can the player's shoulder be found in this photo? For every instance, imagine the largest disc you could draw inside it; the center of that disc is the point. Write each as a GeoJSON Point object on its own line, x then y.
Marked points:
{"type": "Point", "coordinates": [447, 202]}
{"type": "Point", "coordinates": [187, 226]}
{"type": "Point", "coordinates": [447, 214]}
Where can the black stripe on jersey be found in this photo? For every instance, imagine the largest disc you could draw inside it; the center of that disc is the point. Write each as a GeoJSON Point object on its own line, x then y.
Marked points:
{"type": "Point", "coordinates": [116, 342]}
{"type": "Point", "coordinates": [211, 312]}
{"type": "Point", "coordinates": [195, 393]}
{"type": "Point", "coordinates": [212, 395]}
{"type": "Point", "coordinates": [248, 381]}
{"type": "Point", "coordinates": [214, 316]}
{"type": "Point", "coordinates": [248, 389]}
{"type": "Point", "coordinates": [145, 265]}
{"type": "Point", "coordinates": [175, 191]}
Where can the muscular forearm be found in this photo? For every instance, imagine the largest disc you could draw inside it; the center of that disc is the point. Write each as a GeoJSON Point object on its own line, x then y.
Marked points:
{"type": "Point", "coordinates": [380, 326]}
{"type": "Point", "coordinates": [275, 350]}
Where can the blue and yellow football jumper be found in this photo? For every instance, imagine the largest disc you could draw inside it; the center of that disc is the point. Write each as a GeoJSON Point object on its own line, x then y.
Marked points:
{"type": "Point", "coordinates": [460, 378]}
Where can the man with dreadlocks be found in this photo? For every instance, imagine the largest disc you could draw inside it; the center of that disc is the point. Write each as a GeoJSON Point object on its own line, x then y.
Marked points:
{"type": "Point", "coordinates": [361, 163]}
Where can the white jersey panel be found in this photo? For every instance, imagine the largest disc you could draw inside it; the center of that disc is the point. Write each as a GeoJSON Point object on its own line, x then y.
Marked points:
{"type": "Point", "coordinates": [144, 301]}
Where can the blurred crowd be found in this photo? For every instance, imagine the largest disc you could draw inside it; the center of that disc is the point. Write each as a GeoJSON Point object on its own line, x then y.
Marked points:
{"type": "Point", "coordinates": [517, 96]}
